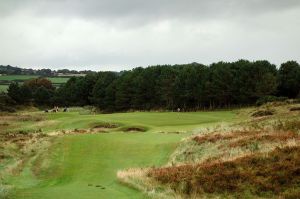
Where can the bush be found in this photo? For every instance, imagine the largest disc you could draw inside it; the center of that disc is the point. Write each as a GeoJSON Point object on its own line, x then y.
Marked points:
{"type": "Point", "coordinates": [269, 98]}
{"type": "Point", "coordinates": [4, 108]}
{"type": "Point", "coordinates": [7, 103]}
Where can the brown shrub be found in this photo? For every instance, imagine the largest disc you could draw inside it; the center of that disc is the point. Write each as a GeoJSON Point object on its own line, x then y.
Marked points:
{"type": "Point", "coordinates": [272, 173]}
{"type": "Point", "coordinates": [213, 138]}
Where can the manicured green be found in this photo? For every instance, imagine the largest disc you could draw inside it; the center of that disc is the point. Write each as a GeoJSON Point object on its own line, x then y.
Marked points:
{"type": "Point", "coordinates": [76, 164]}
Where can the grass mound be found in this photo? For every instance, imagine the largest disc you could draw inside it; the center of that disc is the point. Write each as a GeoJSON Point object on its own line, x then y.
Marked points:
{"type": "Point", "coordinates": [276, 173]}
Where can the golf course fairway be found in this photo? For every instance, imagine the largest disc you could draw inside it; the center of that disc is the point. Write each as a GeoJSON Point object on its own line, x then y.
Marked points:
{"type": "Point", "coordinates": [85, 165]}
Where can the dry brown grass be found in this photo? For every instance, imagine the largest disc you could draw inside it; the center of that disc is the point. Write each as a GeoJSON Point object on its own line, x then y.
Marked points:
{"type": "Point", "coordinates": [260, 174]}
{"type": "Point", "coordinates": [287, 125]}
{"type": "Point", "coordinates": [264, 138]}
{"type": "Point", "coordinates": [213, 138]}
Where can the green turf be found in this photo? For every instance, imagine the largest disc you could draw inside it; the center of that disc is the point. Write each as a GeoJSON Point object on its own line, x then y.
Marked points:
{"type": "Point", "coordinates": [76, 161]}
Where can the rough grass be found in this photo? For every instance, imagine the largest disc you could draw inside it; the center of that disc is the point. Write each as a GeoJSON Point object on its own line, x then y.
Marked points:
{"type": "Point", "coordinates": [261, 175]}
{"type": "Point", "coordinates": [17, 150]}
{"type": "Point", "coordinates": [231, 143]}
{"type": "Point", "coordinates": [242, 138]}
{"type": "Point", "coordinates": [261, 113]}
{"type": "Point", "coordinates": [287, 125]}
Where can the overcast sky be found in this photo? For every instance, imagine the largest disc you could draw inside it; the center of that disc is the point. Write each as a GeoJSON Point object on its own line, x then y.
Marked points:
{"type": "Point", "coordinates": [122, 34]}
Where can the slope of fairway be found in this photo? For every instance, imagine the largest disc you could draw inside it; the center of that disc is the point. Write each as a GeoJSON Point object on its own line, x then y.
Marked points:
{"type": "Point", "coordinates": [83, 160]}
{"type": "Point", "coordinates": [85, 166]}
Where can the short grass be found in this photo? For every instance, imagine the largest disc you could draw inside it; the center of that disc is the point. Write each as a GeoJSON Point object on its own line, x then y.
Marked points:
{"type": "Point", "coordinates": [85, 166]}
{"type": "Point", "coordinates": [82, 162]}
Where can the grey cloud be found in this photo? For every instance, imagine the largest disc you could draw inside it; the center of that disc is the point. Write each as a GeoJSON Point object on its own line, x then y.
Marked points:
{"type": "Point", "coordinates": [154, 9]}
{"type": "Point", "coordinates": [121, 34]}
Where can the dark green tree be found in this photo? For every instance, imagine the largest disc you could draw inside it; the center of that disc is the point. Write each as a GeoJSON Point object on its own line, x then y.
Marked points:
{"type": "Point", "coordinates": [100, 90]}
{"type": "Point", "coordinates": [289, 79]}
{"type": "Point", "coordinates": [42, 96]}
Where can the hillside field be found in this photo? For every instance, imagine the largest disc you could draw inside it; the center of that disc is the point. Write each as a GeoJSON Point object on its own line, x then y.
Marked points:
{"type": "Point", "coordinates": [5, 80]}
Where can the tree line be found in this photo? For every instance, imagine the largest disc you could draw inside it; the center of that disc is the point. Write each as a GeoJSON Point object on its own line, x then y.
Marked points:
{"type": "Point", "coordinates": [189, 87]}
{"type": "Point", "coordinates": [12, 70]}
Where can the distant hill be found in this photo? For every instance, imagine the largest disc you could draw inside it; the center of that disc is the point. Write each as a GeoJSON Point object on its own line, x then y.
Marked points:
{"type": "Point", "coordinates": [12, 70]}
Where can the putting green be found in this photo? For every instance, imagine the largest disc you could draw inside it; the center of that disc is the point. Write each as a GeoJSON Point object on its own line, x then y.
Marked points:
{"type": "Point", "coordinates": [85, 166]}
